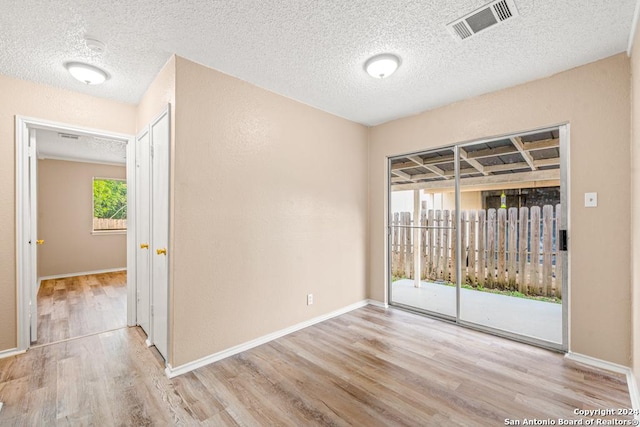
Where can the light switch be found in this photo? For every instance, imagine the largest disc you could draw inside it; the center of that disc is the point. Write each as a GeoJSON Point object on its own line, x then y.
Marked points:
{"type": "Point", "coordinates": [590, 200]}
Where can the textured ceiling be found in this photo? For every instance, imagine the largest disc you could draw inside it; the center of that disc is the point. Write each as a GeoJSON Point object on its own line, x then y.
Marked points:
{"type": "Point", "coordinates": [311, 50]}
{"type": "Point", "coordinates": [84, 149]}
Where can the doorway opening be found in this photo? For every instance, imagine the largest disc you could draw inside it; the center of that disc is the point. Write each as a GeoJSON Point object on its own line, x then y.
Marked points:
{"type": "Point", "coordinates": [477, 235]}
{"type": "Point", "coordinates": [83, 274]}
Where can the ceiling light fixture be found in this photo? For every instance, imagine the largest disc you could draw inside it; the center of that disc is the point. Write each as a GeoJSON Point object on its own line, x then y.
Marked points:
{"type": "Point", "coordinates": [381, 66]}
{"type": "Point", "coordinates": [86, 73]}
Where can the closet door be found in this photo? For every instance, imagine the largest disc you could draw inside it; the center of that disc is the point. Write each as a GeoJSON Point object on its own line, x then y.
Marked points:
{"type": "Point", "coordinates": [143, 233]}
{"type": "Point", "coordinates": [160, 138]}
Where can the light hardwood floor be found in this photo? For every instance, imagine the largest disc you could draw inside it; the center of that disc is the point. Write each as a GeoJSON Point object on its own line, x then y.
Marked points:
{"type": "Point", "coordinates": [81, 305]}
{"type": "Point", "coordinates": [370, 367]}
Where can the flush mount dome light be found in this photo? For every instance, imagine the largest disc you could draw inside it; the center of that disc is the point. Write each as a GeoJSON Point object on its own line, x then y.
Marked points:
{"type": "Point", "coordinates": [381, 66]}
{"type": "Point", "coordinates": [86, 73]}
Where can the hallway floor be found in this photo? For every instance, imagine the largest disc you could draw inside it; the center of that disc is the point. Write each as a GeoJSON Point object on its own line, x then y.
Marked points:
{"type": "Point", "coordinates": [81, 305]}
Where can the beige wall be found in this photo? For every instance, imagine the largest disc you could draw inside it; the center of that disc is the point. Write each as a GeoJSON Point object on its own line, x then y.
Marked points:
{"type": "Point", "coordinates": [161, 91]}
{"type": "Point", "coordinates": [468, 200]}
{"type": "Point", "coordinates": [595, 99]}
{"type": "Point", "coordinates": [270, 205]}
{"type": "Point", "coordinates": [635, 197]}
{"type": "Point", "coordinates": [65, 220]}
{"type": "Point", "coordinates": [34, 100]}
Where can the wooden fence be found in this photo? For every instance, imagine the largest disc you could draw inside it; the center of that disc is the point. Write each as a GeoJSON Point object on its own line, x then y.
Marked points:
{"type": "Point", "coordinates": [109, 224]}
{"type": "Point", "coordinates": [509, 249]}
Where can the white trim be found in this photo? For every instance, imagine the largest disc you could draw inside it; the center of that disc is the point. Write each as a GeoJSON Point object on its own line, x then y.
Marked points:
{"type": "Point", "coordinates": [58, 126]}
{"type": "Point", "coordinates": [172, 372]}
{"type": "Point", "coordinates": [22, 289]}
{"type": "Point", "coordinates": [132, 285]}
{"type": "Point", "coordinates": [613, 367]}
{"type": "Point", "coordinates": [23, 258]}
{"type": "Point", "coordinates": [597, 363]}
{"type": "Point", "coordinates": [634, 28]}
{"type": "Point", "coordinates": [377, 303]}
{"type": "Point", "coordinates": [11, 352]}
{"type": "Point", "coordinates": [108, 232]}
{"type": "Point", "coordinates": [69, 159]}
{"type": "Point", "coordinates": [634, 393]}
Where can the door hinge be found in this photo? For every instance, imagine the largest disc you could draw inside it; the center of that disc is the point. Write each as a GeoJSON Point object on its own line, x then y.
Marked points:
{"type": "Point", "coordinates": [151, 310]}
{"type": "Point", "coordinates": [151, 151]}
{"type": "Point", "coordinates": [562, 244]}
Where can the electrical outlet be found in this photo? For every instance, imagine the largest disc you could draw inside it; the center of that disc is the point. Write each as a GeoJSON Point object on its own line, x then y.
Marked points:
{"type": "Point", "coordinates": [309, 299]}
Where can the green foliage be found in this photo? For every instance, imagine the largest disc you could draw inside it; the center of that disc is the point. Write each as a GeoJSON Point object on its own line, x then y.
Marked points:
{"type": "Point", "coordinates": [480, 288]}
{"type": "Point", "coordinates": [515, 294]}
{"type": "Point", "coordinates": [109, 198]}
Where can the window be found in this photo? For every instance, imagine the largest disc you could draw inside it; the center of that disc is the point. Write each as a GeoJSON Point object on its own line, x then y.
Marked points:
{"type": "Point", "coordinates": [109, 205]}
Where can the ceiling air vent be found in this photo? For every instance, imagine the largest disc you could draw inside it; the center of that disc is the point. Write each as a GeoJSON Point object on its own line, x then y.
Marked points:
{"type": "Point", "coordinates": [68, 135]}
{"type": "Point", "coordinates": [480, 19]}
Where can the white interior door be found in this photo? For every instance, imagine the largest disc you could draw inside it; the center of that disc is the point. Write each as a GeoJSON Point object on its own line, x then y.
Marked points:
{"type": "Point", "coordinates": [160, 231]}
{"type": "Point", "coordinates": [33, 239]}
{"type": "Point", "coordinates": [143, 234]}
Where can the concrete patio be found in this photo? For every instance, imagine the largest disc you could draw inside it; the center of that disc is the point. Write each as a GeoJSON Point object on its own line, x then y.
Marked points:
{"type": "Point", "coordinates": [532, 318]}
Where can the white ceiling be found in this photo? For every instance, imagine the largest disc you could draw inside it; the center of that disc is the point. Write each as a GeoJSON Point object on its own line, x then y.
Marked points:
{"type": "Point", "coordinates": [312, 50]}
{"type": "Point", "coordinates": [51, 145]}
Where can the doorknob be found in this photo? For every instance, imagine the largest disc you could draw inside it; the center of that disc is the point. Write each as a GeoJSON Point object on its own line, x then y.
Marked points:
{"type": "Point", "coordinates": [40, 242]}
{"type": "Point", "coordinates": [161, 251]}
{"type": "Point", "coordinates": [144, 246]}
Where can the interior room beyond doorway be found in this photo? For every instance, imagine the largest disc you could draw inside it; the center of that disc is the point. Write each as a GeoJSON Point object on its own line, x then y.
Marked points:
{"type": "Point", "coordinates": [77, 306]}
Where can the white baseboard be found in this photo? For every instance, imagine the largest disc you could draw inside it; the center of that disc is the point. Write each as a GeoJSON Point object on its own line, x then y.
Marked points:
{"type": "Point", "coordinates": [597, 363]}
{"type": "Point", "coordinates": [377, 303]}
{"type": "Point", "coordinates": [81, 273]}
{"type": "Point", "coordinates": [11, 352]}
{"type": "Point", "coordinates": [634, 393]}
{"type": "Point", "coordinates": [172, 372]}
{"type": "Point", "coordinates": [613, 367]}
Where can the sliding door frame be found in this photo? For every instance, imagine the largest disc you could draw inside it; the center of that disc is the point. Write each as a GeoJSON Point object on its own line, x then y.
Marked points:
{"type": "Point", "coordinates": [389, 228]}
{"type": "Point", "coordinates": [564, 131]}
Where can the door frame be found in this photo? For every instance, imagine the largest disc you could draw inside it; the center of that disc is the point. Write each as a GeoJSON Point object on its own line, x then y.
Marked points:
{"type": "Point", "coordinates": [565, 133]}
{"type": "Point", "coordinates": [141, 223]}
{"type": "Point", "coordinates": [25, 261]}
{"type": "Point", "coordinates": [157, 314]}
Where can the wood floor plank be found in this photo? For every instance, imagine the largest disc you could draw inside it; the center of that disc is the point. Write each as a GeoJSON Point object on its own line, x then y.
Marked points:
{"type": "Point", "coordinates": [81, 305]}
{"type": "Point", "coordinates": [370, 367]}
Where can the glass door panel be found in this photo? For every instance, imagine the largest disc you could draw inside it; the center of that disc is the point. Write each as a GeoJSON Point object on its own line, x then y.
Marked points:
{"type": "Point", "coordinates": [422, 233]}
{"type": "Point", "coordinates": [476, 235]}
{"type": "Point", "coordinates": [509, 208]}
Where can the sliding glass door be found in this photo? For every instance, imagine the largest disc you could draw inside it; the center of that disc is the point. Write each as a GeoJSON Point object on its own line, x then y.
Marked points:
{"type": "Point", "coordinates": [477, 235]}
{"type": "Point", "coordinates": [422, 230]}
